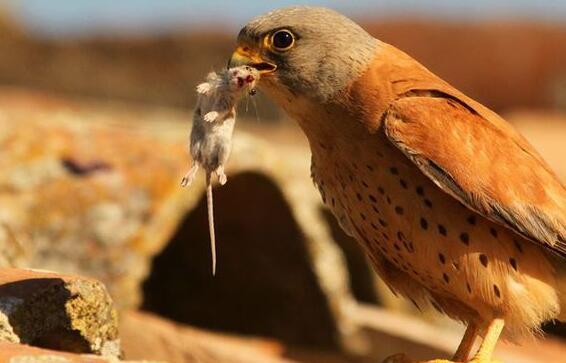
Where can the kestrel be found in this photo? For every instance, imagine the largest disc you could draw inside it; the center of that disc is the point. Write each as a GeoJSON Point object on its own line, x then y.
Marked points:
{"type": "Point", "coordinates": [452, 205]}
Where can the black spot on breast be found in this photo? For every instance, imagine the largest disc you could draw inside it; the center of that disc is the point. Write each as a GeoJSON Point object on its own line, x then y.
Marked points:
{"type": "Point", "coordinates": [446, 278]}
{"type": "Point", "coordinates": [484, 260]}
{"type": "Point", "coordinates": [382, 222]}
{"type": "Point", "coordinates": [465, 238]}
{"type": "Point", "coordinates": [373, 225]}
{"type": "Point", "coordinates": [428, 203]}
{"type": "Point", "coordinates": [381, 190]}
{"type": "Point", "coordinates": [471, 220]}
{"type": "Point", "coordinates": [442, 230]}
{"type": "Point", "coordinates": [388, 200]}
{"type": "Point", "coordinates": [363, 216]}
{"type": "Point", "coordinates": [396, 246]}
{"type": "Point", "coordinates": [333, 202]}
{"type": "Point", "coordinates": [399, 210]}
{"type": "Point", "coordinates": [372, 198]}
{"type": "Point", "coordinates": [386, 236]}
{"type": "Point", "coordinates": [518, 246]}
{"type": "Point", "coordinates": [468, 287]}
{"type": "Point", "coordinates": [365, 184]}
{"type": "Point", "coordinates": [424, 224]}
{"type": "Point", "coordinates": [456, 265]}
{"type": "Point", "coordinates": [496, 291]}
{"type": "Point", "coordinates": [394, 171]}
{"type": "Point", "coordinates": [403, 184]}
{"type": "Point", "coordinates": [493, 232]}
{"type": "Point", "coordinates": [441, 258]}
{"type": "Point", "coordinates": [370, 168]}
{"type": "Point", "coordinates": [420, 190]}
{"type": "Point", "coordinates": [375, 209]}
{"type": "Point", "coordinates": [359, 196]}
{"type": "Point", "coordinates": [513, 263]}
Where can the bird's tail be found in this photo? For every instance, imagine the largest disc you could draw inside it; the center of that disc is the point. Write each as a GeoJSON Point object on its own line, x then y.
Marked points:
{"type": "Point", "coordinates": [209, 205]}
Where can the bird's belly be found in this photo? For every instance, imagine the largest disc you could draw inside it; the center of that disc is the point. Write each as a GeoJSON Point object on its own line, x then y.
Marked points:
{"type": "Point", "coordinates": [396, 212]}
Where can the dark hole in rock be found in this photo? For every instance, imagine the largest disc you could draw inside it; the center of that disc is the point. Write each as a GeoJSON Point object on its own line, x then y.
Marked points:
{"type": "Point", "coordinates": [360, 271]}
{"type": "Point", "coordinates": [264, 283]}
{"type": "Point", "coordinates": [84, 168]}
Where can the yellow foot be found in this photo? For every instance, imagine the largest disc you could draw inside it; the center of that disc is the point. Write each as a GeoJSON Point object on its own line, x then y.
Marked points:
{"type": "Point", "coordinates": [402, 358]}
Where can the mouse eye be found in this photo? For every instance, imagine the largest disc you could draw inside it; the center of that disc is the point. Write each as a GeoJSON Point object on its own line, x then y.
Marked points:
{"type": "Point", "coordinates": [282, 40]}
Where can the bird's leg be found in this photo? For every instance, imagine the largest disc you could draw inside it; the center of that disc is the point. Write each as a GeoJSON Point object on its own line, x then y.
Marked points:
{"type": "Point", "coordinates": [482, 356]}
{"type": "Point", "coordinates": [490, 339]}
{"type": "Point", "coordinates": [467, 343]}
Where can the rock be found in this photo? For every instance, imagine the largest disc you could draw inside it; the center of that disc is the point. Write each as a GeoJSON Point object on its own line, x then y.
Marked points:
{"type": "Point", "coordinates": [145, 336]}
{"type": "Point", "coordinates": [18, 353]}
{"type": "Point", "coordinates": [57, 311]}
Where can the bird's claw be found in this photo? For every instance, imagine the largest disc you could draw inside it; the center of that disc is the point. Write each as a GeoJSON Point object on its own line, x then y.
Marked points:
{"type": "Point", "coordinates": [402, 358]}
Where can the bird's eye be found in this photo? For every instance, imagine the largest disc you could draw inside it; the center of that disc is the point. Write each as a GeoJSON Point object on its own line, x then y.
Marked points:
{"type": "Point", "coordinates": [282, 40]}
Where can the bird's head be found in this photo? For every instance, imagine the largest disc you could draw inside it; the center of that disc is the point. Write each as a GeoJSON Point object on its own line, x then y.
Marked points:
{"type": "Point", "coordinates": [304, 52]}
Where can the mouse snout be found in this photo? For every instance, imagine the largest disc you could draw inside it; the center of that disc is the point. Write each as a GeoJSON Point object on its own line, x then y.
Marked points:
{"type": "Point", "coordinates": [250, 78]}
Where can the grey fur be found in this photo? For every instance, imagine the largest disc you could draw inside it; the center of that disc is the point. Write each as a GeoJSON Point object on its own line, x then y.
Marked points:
{"type": "Point", "coordinates": [330, 50]}
{"type": "Point", "coordinates": [213, 125]}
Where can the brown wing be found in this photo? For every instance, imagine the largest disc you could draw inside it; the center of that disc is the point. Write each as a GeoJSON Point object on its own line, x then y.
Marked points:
{"type": "Point", "coordinates": [475, 156]}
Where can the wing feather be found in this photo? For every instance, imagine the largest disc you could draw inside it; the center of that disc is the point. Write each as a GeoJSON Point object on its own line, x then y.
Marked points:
{"type": "Point", "coordinates": [479, 159]}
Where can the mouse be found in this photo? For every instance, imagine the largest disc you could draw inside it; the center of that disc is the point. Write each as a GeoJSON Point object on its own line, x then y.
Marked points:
{"type": "Point", "coordinates": [214, 118]}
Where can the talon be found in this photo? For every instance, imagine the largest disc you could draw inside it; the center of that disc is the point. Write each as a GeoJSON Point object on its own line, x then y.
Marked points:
{"type": "Point", "coordinates": [402, 358]}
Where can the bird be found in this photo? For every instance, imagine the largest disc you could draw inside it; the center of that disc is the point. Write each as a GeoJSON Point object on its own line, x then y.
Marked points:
{"type": "Point", "coordinates": [453, 207]}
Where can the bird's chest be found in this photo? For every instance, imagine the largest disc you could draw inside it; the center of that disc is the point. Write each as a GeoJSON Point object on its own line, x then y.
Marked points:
{"type": "Point", "coordinates": [384, 201]}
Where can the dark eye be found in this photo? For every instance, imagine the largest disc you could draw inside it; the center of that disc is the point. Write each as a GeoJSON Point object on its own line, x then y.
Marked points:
{"type": "Point", "coordinates": [282, 40]}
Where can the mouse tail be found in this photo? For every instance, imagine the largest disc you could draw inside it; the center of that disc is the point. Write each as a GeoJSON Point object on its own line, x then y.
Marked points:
{"type": "Point", "coordinates": [209, 204]}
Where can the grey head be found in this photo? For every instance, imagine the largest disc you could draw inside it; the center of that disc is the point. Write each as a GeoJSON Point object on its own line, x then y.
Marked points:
{"type": "Point", "coordinates": [311, 52]}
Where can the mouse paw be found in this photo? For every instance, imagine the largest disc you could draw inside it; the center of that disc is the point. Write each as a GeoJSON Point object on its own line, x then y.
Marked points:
{"type": "Point", "coordinates": [190, 176]}
{"type": "Point", "coordinates": [211, 116]}
{"type": "Point", "coordinates": [222, 178]}
{"type": "Point", "coordinates": [204, 88]}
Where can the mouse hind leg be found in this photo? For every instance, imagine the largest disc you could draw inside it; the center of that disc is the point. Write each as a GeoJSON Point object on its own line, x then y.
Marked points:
{"type": "Point", "coordinates": [222, 178]}
{"type": "Point", "coordinates": [190, 176]}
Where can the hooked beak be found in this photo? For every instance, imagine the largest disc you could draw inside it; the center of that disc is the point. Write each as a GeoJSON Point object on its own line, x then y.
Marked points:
{"type": "Point", "coordinates": [244, 56]}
